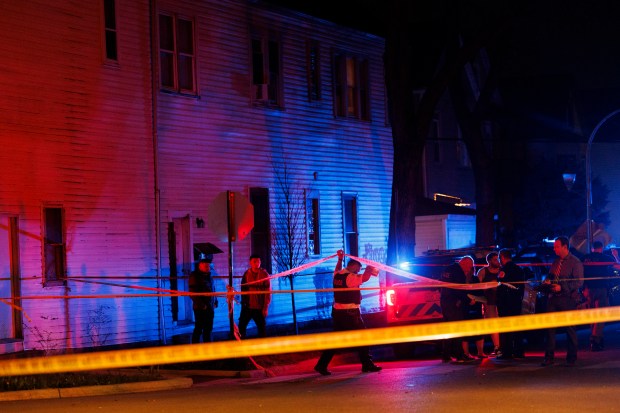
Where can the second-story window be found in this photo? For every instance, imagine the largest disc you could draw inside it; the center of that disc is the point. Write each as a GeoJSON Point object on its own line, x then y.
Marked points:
{"type": "Point", "coordinates": [266, 70]}
{"type": "Point", "coordinates": [313, 64]}
{"type": "Point", "coordinates": [109, 22]}
{"type": "Point", "coordinates": [351, 94]}
{"type": "Point", "coordinates": [176, 54]}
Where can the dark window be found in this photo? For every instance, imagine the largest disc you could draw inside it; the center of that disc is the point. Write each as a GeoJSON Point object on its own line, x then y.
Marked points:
{"type": "Point", "coordinates": [349, 218]}
{"type": "Point", "coordinates": [351, 97]}
{"type": "Point", "coordinates": [266, 71]}
{"type": "Point", "coordinates": [111, 47]}
{"type": "Point", "coordinates": [313, 63]}
{"type": "Point", "coordinates": [261, 233]}
{"type": "Point", "coordinates": [462, 154]}
{"type": "Point", "coordinates": [53, 247]}
{"type": "Point", "coordinates": [313, 220]}
{"type": "Point", "coordinates": [176, 54]}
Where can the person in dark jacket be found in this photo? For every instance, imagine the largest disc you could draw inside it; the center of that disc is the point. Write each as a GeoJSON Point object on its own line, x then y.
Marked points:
{"type": "Point", "coordinates": [346, 313]}
{"type": "Point", "coordinates": [454, 305]}
{"type": "Point", "coordinates": [509, 302]}
{"type": "Point", "coordinates": [200, 281]}
{"type": "Point", "coordinates": [596, 284]}
{"type": "Point", "coordinates": [563, 283]}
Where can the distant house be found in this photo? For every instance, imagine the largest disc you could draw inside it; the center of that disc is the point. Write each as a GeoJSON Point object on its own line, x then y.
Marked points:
{"type": "Point", "coordinates": [122, 121]}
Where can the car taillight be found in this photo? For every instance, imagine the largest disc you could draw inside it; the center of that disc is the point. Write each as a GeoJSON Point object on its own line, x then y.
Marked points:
{"type": "Point", "coordinates": [389, 297]}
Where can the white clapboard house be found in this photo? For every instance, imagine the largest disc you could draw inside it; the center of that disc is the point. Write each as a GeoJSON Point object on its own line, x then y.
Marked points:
{"type": "Point", "coordinates": [122, 121]}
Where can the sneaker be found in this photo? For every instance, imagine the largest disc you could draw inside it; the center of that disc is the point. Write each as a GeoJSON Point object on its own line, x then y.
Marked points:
{"type": "Point", "coordinates": [371, 368]}
{"type": "Point", "coordinates": [466, 358]}
{"type": "Point", "coordinates": [547, 362]}
{"type": "Point", "coordinates": [495, 351]}
{"type": "Point", "coordinates": [481, 356]}
{"type": "Point", "coordinates": [322, 370]}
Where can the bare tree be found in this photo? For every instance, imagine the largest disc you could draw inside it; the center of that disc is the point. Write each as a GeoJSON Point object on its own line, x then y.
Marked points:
{"type": "Point", "coordinates": [288, 229]}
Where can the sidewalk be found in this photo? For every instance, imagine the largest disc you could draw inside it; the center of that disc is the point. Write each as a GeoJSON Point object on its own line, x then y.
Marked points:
{"type": "Point", "coordinates": [184, 375]}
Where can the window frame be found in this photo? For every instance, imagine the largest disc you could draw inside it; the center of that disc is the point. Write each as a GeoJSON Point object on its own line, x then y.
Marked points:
{"type": "Point", "coordinates": [313, 71]}
{"type": "Point", "coordinates": [353, 197]}
{"type": "Point", "coordinates": [108, 29]}
{"type": "Point", "coordinates": [58, 275]}
{"type": "Point", "coordinates": [313, 222]}
{"type": "Point", "coordinates": [462, 153]}
{"type": "Point", "coordinates": [177, 55]}
{"type": "Point", "coordinates": [269, 92]}
{"type": "Point", "coordinates": [351, 99]}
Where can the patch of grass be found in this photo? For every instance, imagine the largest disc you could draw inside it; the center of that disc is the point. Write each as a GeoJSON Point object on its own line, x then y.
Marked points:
{"type": "Point", "coordinates": [64, 380]}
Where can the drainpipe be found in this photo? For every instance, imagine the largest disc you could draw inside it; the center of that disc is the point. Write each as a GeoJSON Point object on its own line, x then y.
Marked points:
{"type": "Point", "coordinates": [160, 299]}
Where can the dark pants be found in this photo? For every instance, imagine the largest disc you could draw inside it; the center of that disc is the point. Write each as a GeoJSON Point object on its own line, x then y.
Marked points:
{"type": "Point", "coordinates": [452, 347]}
{"type": "Point", "coordinates": [562, 303]}
{"type": "Point", "coordinates": [511, 343]}
{"type": "Point", "coordinates": [248, 314]}
{"type": "Point", "coordinates": [599, 297]}
{"type": "Point", "coordinates": [203, 325]}
{"type": "Point", "coordinates": [346, 320]}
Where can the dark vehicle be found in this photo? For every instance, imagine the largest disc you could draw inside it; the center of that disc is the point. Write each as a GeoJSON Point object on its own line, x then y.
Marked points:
{"type": "Point", "coordinates": [407, 302]}
{"type": "Point", "coordinates": [539, 257]}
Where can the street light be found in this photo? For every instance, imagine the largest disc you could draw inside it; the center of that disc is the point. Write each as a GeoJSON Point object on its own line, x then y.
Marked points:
{"type": "Point", "coordinates": [589, 180]}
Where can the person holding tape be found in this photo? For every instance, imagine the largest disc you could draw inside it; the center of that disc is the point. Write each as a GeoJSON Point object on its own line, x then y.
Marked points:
{"type": "Point", "coordinates": [509, 303]}
{"type": "Point", "coordinates": [489, 273]}
{"type": "Point", "coordinates": [562, 286]}
{"type": "Point", "coordinates": [346, 313]}
{"type": "Point", "coordinates": [200, 281]}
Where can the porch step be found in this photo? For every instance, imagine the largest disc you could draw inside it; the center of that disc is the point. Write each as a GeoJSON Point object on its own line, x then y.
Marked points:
{"type": "Point", "coordinates": [11, 346]}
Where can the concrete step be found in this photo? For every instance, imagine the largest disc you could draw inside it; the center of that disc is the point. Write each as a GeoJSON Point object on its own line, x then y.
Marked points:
{"type": "Point", "coordinates": [11, 346]}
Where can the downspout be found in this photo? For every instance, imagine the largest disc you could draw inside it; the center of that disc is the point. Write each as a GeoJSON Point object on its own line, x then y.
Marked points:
{"type": "Point", "coordinates": [160, 299]}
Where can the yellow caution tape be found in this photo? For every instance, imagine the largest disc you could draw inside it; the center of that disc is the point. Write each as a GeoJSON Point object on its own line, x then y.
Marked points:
{"type": "Point", "coordinates": [308, 342]}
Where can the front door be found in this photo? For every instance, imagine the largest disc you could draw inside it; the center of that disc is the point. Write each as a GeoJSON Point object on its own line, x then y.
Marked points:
{"type": "Point", "coordinates": [184, 262]}
{"type": "Point", "coordinates": [10, 318]}
{"type": "Point", "coordinates": [261, 233]}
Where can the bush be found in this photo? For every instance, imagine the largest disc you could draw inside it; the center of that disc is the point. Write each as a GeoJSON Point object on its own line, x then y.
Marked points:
{"type": "Point", "coordinates": [64, 380]}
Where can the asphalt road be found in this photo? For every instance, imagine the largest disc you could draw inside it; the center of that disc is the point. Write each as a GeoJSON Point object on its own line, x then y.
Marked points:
{"type": "Point", "coordinates": [403, 386]}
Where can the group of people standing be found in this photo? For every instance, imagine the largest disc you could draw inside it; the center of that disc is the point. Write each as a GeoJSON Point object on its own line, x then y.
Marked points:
{"type": "Point", "coordinates": [503, 300]}
{"type": "Point", "coordinates": [564, 286]}
{"type": "Point", "coordinates": [563, 289]}
{"type": "Point", "coordinates": [346, 312]}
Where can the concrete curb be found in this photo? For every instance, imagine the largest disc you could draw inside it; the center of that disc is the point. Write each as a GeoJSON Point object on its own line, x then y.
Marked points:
{"type": "Point", "coordinates": [245, 374]}
{"type": "Point", "coordinates": [104, 390]}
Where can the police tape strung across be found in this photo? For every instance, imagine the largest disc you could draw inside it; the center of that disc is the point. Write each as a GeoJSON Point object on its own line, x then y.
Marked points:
{"type": "Point", "coordinates": [308, 342]}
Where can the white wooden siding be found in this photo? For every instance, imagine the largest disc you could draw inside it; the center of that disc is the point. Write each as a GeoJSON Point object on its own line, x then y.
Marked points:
{"type": "Point", "coordinates": [78, 133]}
{"type": "Point", "coordinates": [222, 142]}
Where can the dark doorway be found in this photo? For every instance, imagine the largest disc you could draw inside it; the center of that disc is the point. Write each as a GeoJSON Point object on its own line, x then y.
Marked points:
{"type": "Point", "coordinates": [261, 234]}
